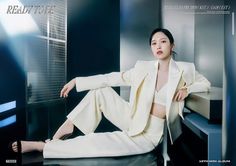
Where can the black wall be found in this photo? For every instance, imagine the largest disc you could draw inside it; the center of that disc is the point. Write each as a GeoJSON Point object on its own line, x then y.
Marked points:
{"type": "Point", "coordinates": [93, 40]}
{"type": "Point", "coordinates": [12, 88]}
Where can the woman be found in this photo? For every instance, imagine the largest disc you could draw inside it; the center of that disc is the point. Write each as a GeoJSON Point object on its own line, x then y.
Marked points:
{"type": "Point", "coordinates": [158, 90]}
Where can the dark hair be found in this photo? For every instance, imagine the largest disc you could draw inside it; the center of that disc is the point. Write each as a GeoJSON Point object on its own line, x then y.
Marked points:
{"type": "Point", "coordinates": [165, 31]}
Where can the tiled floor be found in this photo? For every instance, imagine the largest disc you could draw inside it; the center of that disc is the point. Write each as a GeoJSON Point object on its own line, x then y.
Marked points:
{"type": "Point", "coordinates": [178, 158]}
{"type": "Point", "coordinates": [149, 159]}
{"type": "Point", "coordinates": [36, 158]}
{"type": "Point", "coordinates": [7, 157]}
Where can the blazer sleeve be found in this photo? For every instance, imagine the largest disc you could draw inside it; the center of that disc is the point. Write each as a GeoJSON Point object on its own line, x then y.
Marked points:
{"type": "Point", "coordinates": [199, 84]}
{"type": "Point", "coordinates": [105, 80]}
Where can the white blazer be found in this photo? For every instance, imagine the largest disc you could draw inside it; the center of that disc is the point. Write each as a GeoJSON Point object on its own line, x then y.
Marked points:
{"type": "Point", "coordinates": [142, 79]}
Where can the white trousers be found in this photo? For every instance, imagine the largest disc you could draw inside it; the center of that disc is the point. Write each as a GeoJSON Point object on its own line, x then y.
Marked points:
{"type": "Point", "coordinates": [86, 117]}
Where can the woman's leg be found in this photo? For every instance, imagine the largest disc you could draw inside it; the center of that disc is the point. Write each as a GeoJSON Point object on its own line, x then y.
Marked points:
{"type": "Point", "coordinates": [117, 143]}
{"type": "Point", "coordinates": [106, 144]}
{"type": "Point", "coordinates": [104, 100]}
{"type": "Point", "coordinates": [28, 146]}
{"type": "Point", "coordinates": [86, 116]}
{"type": "Point", "coordinates": [88, 113]}
{"type": "Point", "coordinates": [65, 129]}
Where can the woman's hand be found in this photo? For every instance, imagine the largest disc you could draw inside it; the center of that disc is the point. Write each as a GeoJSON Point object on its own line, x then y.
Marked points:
{"type": "Point", "coordinates": [67, 88]}
{"type": "Point", "coordinates": [180, 95]}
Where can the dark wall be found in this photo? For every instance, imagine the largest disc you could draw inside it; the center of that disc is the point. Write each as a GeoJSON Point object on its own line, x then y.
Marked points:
{"type": "Point", "coordinates": [12, 88]}
{"type": "Point", "coordinates": [93, 40]}
{"type": "Point", "coordinates": [93, 37]}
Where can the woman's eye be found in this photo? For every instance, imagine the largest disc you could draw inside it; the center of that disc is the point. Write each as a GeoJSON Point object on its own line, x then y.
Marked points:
{"type": "Point", "coordinates": [163, 41]}
{"type": "Point", "coordinates": [153, 43]}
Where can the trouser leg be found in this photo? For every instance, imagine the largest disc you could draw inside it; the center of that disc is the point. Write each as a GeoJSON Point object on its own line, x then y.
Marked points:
{"type": "Point", "coordinates": [87, 114]}
{"type": "Point", "coordinates": [106, 144]}
{"type": "Point", "coordinates": [117, 143]}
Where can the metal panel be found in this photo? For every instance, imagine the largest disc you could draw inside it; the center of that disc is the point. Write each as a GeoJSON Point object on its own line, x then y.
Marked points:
{"type": "Point", "coordinates": [199, 37]}
{"type": "Point", "coordinates": [207, 104]}
{"type": "Point", "coordinates": [229, 113]}
{"type": "Point", "coordinates": [137, 19]}
{"type": "Point", "coordinates": [209, 43]}
{"type": "Point", "coordinates": [181, 25]}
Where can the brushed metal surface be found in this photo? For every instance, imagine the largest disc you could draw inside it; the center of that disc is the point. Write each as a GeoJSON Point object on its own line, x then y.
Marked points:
{"type": "Point", "coordinates": [207, 104]}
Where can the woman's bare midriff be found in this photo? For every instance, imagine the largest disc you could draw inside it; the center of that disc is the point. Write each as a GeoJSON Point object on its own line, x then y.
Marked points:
{"type": "Point", "coordinates": [158, 110]}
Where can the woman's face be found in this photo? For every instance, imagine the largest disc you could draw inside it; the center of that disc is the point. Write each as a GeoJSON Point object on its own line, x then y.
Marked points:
{"type": "Point", "coordinates": [161, 46]}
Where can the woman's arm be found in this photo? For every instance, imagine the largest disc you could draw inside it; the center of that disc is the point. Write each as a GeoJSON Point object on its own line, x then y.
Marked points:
{"type": "Point", "coordinates": [67, 88]}
{"type": "Point", "coordinates": [99, 81]}
{"type": "Point", "coordinates": [104, 80]}
{"type": "Point", "coordinates": [200, 84]}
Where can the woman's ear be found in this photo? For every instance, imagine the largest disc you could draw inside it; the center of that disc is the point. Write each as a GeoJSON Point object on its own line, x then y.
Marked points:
{"type": "Point", "coordinates": [172, 50]}
{"type": "Point", "coordinates": [172, 47]}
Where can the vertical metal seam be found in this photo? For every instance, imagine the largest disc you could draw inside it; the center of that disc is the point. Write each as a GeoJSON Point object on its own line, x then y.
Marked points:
{"type": "Point", "coordinates": [233, 23]}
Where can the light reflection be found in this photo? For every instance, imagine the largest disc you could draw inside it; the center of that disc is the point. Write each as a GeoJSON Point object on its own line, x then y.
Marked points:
{"type": "Point", "coordinates": [16, 24]}
{"type": "Point", "coordinates": [7, 106]}
{"type": "Point", "coordinates": [8, 121]}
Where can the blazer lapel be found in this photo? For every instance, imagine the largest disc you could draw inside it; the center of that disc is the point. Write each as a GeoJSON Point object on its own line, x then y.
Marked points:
{"type": "Point", "coordinates": [151, 83]}
{"type": "Point", "coordinates": [173, 80]}
{"type": "Point", "coordinates": [143, 101]}
{"type": "Point", "coordinates": [145, 90]}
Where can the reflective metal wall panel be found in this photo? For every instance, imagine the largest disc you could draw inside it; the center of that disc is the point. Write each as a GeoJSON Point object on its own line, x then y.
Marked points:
{"type": "Point", "coordinates": [137, 19]}
{"type": "Point", "coordinates": [229, 111]}
{"type": "Point", "coordinates": [181, 26]}
{"type": "Point", "coordinates": [199, 36]}
{"type": "Point", "coordinates": [209, 43]}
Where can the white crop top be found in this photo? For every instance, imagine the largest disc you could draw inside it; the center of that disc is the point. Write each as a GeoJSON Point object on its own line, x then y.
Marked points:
{"type": "Point", "coordinates": [160, 96]}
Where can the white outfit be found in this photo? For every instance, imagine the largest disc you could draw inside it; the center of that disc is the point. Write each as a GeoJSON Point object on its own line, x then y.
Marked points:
{"type": "Point", "coordinates": [140, 131]}
{"type": "Point", "coordinates": [118, 143]}
{"type": "Point", "coordinates": [160, 96]}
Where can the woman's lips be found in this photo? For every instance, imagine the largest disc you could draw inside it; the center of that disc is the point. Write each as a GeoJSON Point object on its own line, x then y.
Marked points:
{"type": "Point", "coordinates": [159, 52]}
